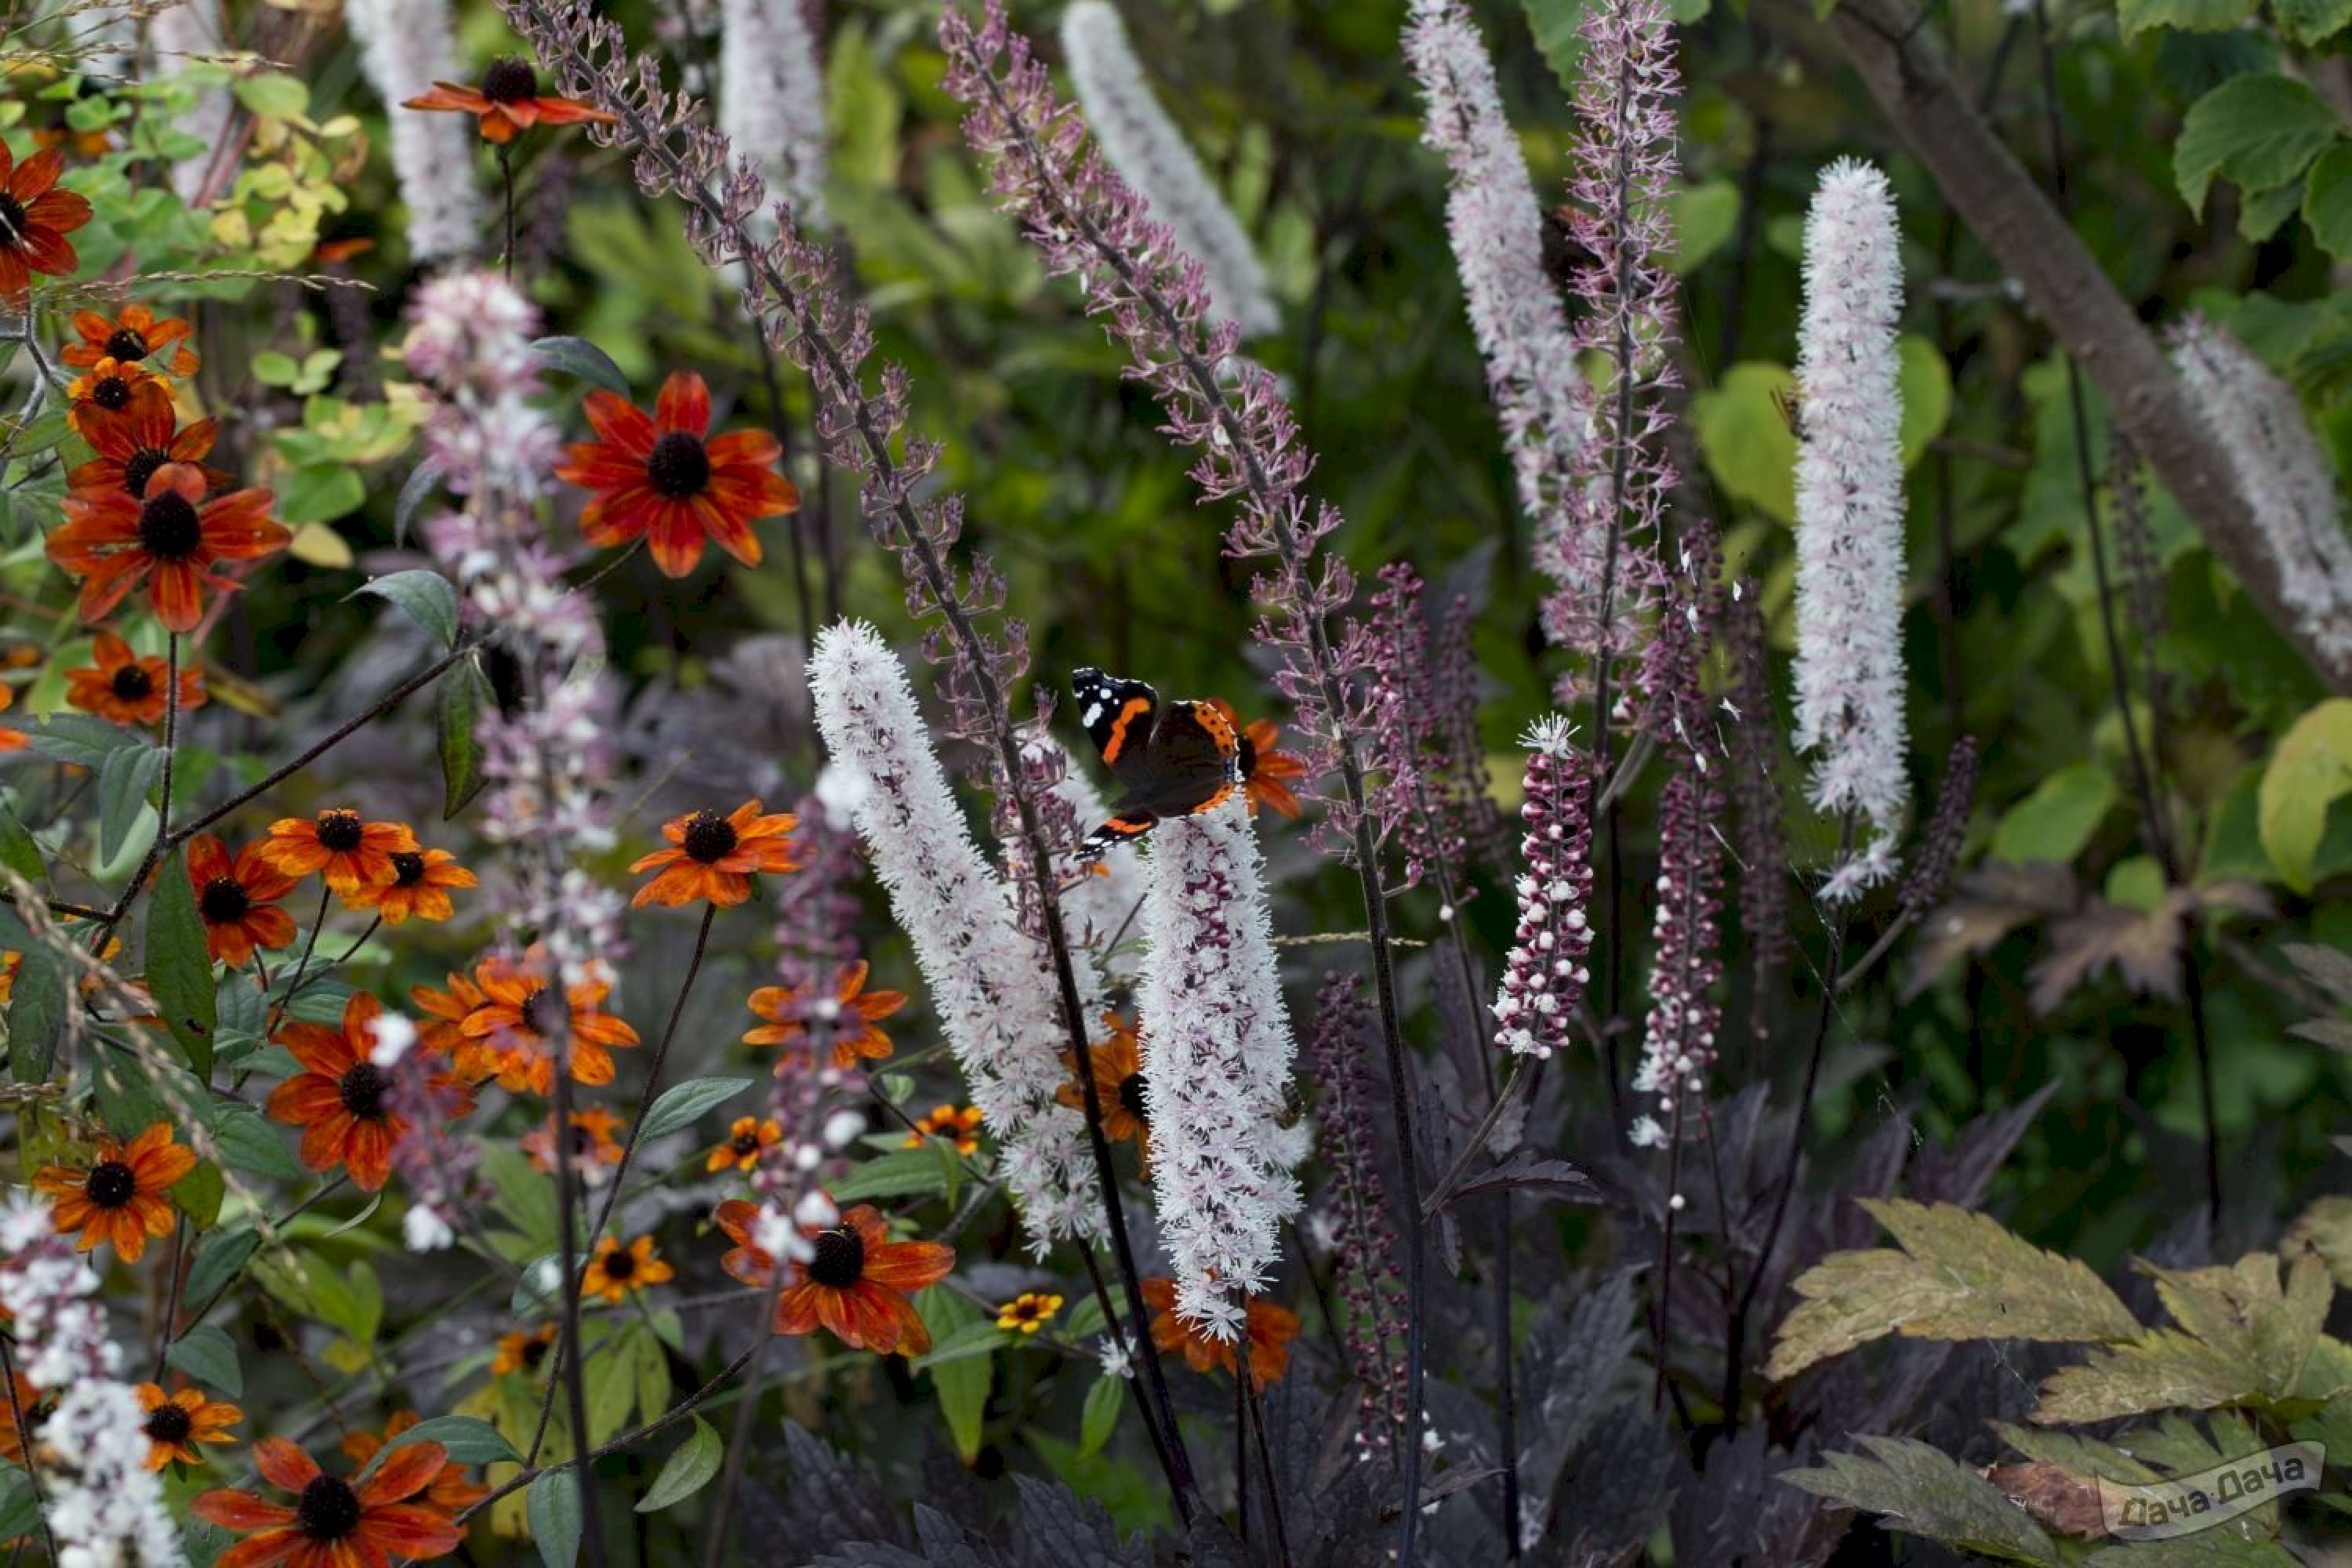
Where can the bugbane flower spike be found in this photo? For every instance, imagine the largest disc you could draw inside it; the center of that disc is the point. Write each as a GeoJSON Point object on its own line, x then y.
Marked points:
{"type": "Point", "coordinates": [1850, 513]}
{"type": "Point", "coordinates": [406, 46]}
{"type": "Point", "coordinates": [987, 980]}
{"type": "Point", "coordinates": [1544, 975]}
{"type": "Point", "coordinates": [1216, 1066]}
{"type": "Point", "coordinates": [771, 100]}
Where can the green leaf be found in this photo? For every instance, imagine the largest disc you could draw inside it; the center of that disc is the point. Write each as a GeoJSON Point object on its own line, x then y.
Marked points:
{"type": "Point", "coordinates": [273, 94]}
{"type": "Point", "coordinates": [468, 1439]}
{"type": "Point", "coordinates": [2310, 769]}
{"type": "Point", "coordinates": [1100, 1417]}
{"type": "Point", "coordinates": [223, 1253]}
{"type": "Point", "coordinates": [962, 1384]}
{"type": "Point", "coordinates": [179, 965]}
{"type": "Point", "coordinates": [200, 1194]}
{"type": "Point", "coordinates": [2057, 820]}
{"type": "Point", "coordinates": [552, 1508]}
{"type": "Point", "coordinates": [124, 782]}
{"type": "Point", "coordinates": [37, 1012]}
{"type": "Point", "coordinates": [414, 490]}
{"type": "Point", "coordinates": [909, 1172]}
{"type": "Point", "coordinates": [1959, 1276]}
{"type": "Point", "coordinates": [1746, 438]}
{"type": "Point", "coordinates": [2327, 199]}
{"type": "Point", "coordinates": [252, 1144]}
{"type": "Point", "coordinates": [687, 1469]}
{"type": "Point", "coordinates": [683, 1104]}
{"type": "Point", "coordinates": [579, 357]}
{"type": "Point", "coordinates": [2258, 129]}
{"type": "Point", "coordinates": [2261, 213]}
{"type": "Point", "coordinates": [425, 597]}
{"type": "Point", "coordinates": [20, 1511]}
{"type": "Point", "coordinates": [2310, 22]}
{"type": "Point", "coordinates": [208, 1355]}
{"type": "Point", "coordinates": [78, 739]}
{"type": "Point", "coordinates": [977, 1338]}
{"type": "Point", "coordinates": [649, 1371]}
{"type": "Point", "coordinates": [18, 852]}
{"type": "Point", "coordinates": [611, 1389]}
{"type": "Point", "coordinates": [1554, 23]}
{"type": "Point", "coordinates": [457, 707]}
{"type": "Point", "coordinates": [1925, 383]}
{"type": "Point", "coordinates": [1704, 217]}
{"type": "Point", "coordinates": [321, 493]}
{"type": "Point", "coordinates": [1925, 1492]}
{"type": "Point", "coordinates": [274, 368]}
{"type": "Point", "coordinates": [2136, 17]}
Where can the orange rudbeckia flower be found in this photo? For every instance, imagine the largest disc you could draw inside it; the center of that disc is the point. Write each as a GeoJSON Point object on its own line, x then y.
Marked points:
{"type": "Point", "coordinates": [38, 1406]}
{"type": "Point", "coordinates": [349, 852]}
{"type": "Point", "coordinates": [338, 1099]}
{"type": "Point", "coordinates": [1117, 1065]}
{"type": "Point", "coordinates": [112, 541]}
{"type": "Point", "coordinates": [440, 1030]}
{"type": "Point", "coordinates": [524, 1349]}
{"type": "Point", "coordinates": [1271, 1329]}
{"type": "Point", "coordinates": [856, 1285]}
{"type": "Point", "coordinates": [335, 1523]}
{"type": "Point", "coordinates": [615, 1270]}
{"type": "Point", "coordinates": [146, 434]}
{"type": "Point", "coordinates": [856, 1012]}
{"type": "Point", "coordinates": [122, 1197]}
{"type": "Point", "coordinates": [103, 392]}
{"type": "Point", "coordinates": [237, 900]}
{"type": "Point", "coordinates": [176, 1423]}
{"type": "Point", "coordinates": [748, 1138]}
{"type": "Point", "coordinates": [124, 688]}
{"type": "Point", "coordinates": [1267, 773]}
{"type": "Point", "coordinates": [448, 1491]}
{"type": "Point", "coordinates": [509, 102]}
{"type": "Point", "coordinates": [508, 1034]}
{"type": "Point", "coordinates": [959, 1126]}
{"type": "Point", "coordinates": [10, 740]}
{"type": "Point", "coordinates": [715, 857]}
{"type": "Point", "coordinates": [594, 1144]}
{"type": "Point", "coordinates": [35, 219]}
{"type": "Point", "coordinates": [136, 335]}
{"type": "Point", "coordinates": [421, 880]}
{"type": "Point", "coordinates": [657, 478]}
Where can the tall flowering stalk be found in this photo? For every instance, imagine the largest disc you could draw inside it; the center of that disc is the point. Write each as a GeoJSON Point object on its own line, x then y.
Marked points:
{"type": "Point", "coordinates": [1216, 1066]}
{"type": "Point", "coordinates": [175, 33]}
{"type": "Point", "coordinates": [1370, 1282]}
{"type": "Point", "coordinates": [771, 98]}
{"type": "Point", "coordinates": [1545, 974]}
{"type": "Point", "coordinates": [2282, 471]}
{"type": "Point", "coordinates": [1153, 156]}
{"type": "Point", "coordinates": [987, 980]}
{"type": "Point", "coordinates": [1850, 514]}
{"type": "Point", "coordinates": [406, 46]}
{"type": "Point", "coordinates": [1429, 779]}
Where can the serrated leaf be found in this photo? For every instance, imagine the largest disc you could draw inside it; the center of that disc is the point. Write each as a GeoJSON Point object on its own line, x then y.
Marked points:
{"type": "Point", "coordinates": [688, 1471]}
{"type": "Point", "coordinates": [2258, 129]}
{"type": "Point", "coordinates": [1960, 1276]}
{"type": "Point", "coordinates": [2324, 1231]}
{"type": "Point", "coordinates": [1100, 1417]}
{"type": "Point", "coordinates": [578, 356]}
{"type": "Point", "coordinates": [468, 1439]}
{"type": "Point", "coordinates": [683, 1104]}
{"type": "Point", "coordinates": [552, 1508]}
{"type": "Point", "coordinates": [425, 597]}
{"type": "Point", "coordinates": [180, 964]}
{"type": "Point", "coordinates": [2137, 16]}
{"type": "Point", "coordinates": [457, 706]}
{"type": "Point", "coordinates": [2309, 769]}
{"type": "Point", "coordinates": [1925, 1492]}
{"type": "Point", "coordinates": [208, 1355]}
{"type": "Point", "coordinates": [2310, 22]}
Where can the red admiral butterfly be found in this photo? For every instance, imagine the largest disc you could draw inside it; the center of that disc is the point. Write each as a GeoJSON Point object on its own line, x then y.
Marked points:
{"type": "Point", "coordinates": [1171, 760]}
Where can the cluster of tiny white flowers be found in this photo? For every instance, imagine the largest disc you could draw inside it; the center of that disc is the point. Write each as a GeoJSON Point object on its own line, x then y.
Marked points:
{"type": "Point", "coordinates": [406, 46]}
{"type": "Point", "coordinates": [48, 1289]}
{"type": "Point", "coordinates": [1545, 974]}
{"type": "Point", "coordinates": [1850, 506]}
{"type": "Point", "coordinates": [1149, 154]}
{"type": "Point", "coordinates": [771, 100]}
{"type": "Point", "coordinates": [991, 984]}
{"type": "Point", "coordinates": [1101, 900]}
{"type": "Point", "coordinates": [1217, 1050]}
{"type": "Point", "coordinates": [105, 1508]}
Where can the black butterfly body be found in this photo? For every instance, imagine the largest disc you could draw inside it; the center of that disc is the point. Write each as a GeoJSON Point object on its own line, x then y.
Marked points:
{"type": "Point", "coordinates": [1170, 759]}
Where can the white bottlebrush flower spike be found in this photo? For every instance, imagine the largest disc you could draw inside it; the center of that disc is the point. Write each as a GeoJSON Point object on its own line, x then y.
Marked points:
{"type": "Point", "coordinates": [1850, 503]}
{"type": "Point", "coordinates": [406, 46]}
{"type": "Point", "coordinates": [771, 100]}
{"type": "Point", "coordinates": [174, 34]}
{"type": "Point", "coordinates": [1150, 155]}
{"type": "Point", "coordinates": [1545, 974]}
{"type": "Point", "coordinates": [1100, 901]}
{"type": "Point", "coordinates": [991, 984]}
{"type": "Point", "coordinates": [2282, 472]}
{"type": "Point", "coordinates": [1216, 1065]}
{"type": "Point", "coordinates": [105, 1508]}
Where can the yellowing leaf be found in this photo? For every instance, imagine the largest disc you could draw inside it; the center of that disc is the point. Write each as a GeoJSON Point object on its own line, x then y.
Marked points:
{"type": "Point", "coordinates": [1925, 1492]}
{"type": "Point", "coordinates": [1960, 1276]}
{"type": "Point", "coordinates": [1746, 438]}
{"type": "Point", "coordinates": [317, 545]}
{"type": "Point", "coordinates": [2309, 769]}
{"type": "Point", "coordinates": [2324, 1231]}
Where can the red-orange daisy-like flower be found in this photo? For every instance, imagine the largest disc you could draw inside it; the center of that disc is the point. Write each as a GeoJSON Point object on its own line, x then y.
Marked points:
{"type": "Point", "coordinates": [449, 1490]}
{"type": "Point", "coordinates": [10, 740]}
{"type": "Point", "coordinates": [1118, 1066]}
{"type": "Point", "coordinates": [715, 857]}
{"type": "Point", "coordinates": [509, 102]}
{"type": "Point", "coordinates": [747, 1139]}
{"type": "Point", "coordinates": [237, 900]}
{"type": "Point", "coordinates": [523, 1350]}
{"type": "Point", "coordinates": [103, 392]}
{"type": "Point", "coordinates": [338, 844]}
{"type": "Point", "coordinates": [960, 1125]}
{"type": "Point", "coordinates": [1267, 773]}
{"type": "Point", "coordinates": [38, 1407]}
{"type": "Point", "coordinates": [335, 1523]}
{"type": "Point", "coordinates": [854, 1018]}
{"type": "Point", "coordinates": [338, 1099]}
{"type": "Point", "coordinates": [441, 1030]}
{"type": "Point", "coordinates": [134, 444]}
{"type": "Point", "coordinates": [857, 1283]}
{"type": "Point", "coordinates": [421, 880]}
{"type": "Point", "coordinates": [113, 540]}
{"type": "Point", "coordinates": [509, 1034]}
{"type": "Point", "coordinates": [615, 1270]}
{"type": "Point", "coordinates": [595, 1144]}
{"type": "Point", "coordinates": [657, 478]}
{"type": "Point", "coordinates": [1271, 1329]}
{"type": "Point", "coordinates": [136, 335]}
{"type": "Point", "coordinates": [123, 1198]}
{"type": "Point", "coordinates": [176, 1423]}
{"type": "Point", "coordinates": [123, 689]}
{"type": "Point", "coordinates": [35, 219]}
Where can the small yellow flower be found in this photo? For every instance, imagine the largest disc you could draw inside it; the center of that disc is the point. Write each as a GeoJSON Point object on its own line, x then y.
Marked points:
{"type": "Point", "coordinates": [1028, 1312]}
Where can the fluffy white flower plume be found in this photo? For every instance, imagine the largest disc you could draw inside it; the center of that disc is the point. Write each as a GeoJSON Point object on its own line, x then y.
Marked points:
{"type": "Point", "coordinates": [174, 33]}
{"type": "Point", "coordinates": [1150, 155]}
{"type": "Point", "coordinates": [49, 1291]}
{"type": "Point", "coordinates": [406, 46]}
{"type": "Point", "coordinates": [1497, 229]}
{"type": "Point", "coordinates": [105, 1508]}
{"type": "Point", "coordinates": [2282, 472]}
{"type": "Point", "coordinates": [991, 985]}
{"type": "Point", "coordinates": [1216, 1065]}
{"type": "Point", "coordinates": [771, 100]}
{"type": "Point", "coordinates": [1850, 503]}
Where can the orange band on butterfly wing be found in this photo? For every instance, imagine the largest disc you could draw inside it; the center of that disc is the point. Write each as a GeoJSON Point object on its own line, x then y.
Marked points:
{"type": "Point", "coordinates": [1126, 715]}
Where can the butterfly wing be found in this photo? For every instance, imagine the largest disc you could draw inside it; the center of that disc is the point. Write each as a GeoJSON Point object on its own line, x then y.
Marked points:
{"type": "Point", "coordinates": [1192, 765]}
{"type": "Point", "coordinates": [1119, 716]}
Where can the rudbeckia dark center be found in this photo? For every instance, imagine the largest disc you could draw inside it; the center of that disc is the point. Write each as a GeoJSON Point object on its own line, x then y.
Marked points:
{"type": "Point", "coordinates": [12, 218]}
{"type": "Point", "coordinates": [535, 1350]}
{"type": "Point", "coordinates": [746, 1143]}
{"type": "Point", "coordinates": [169, 1424]}
{"type": "Point", "coordinates": [710, 838]}
{"type": "Point", "coordinates": [223, 901]}
{"type": "Point", "coordinates": [678, 466]}
{"type": "Point", "coordinates": [509, 80]}
{"type": "Point", "coordinates": [1130, 1096]}
{"type": "Point", "coordinates": [112, 1185]}
{"type": "Point", "coordinates": [342, 831]}
{"type": "Point", "coordinates": [407, 869]}
{"type": "Point", "coordinates": [840, 1260]}
{"type": "Point", "coordinates": [542, 1011]}
{"type": "Point", "coordinates": [126, 344]}
{"type": "Point", "coordinates": [133, 682]}
{"type": "Point", "coordinates": [620, 1265]}
{"type": "Point", "coordinates": [140, 466]}
{"type": "Point", "coordinates": [114, 391]}
{"type": "Point", "coordinates": [329, 1510]}
{"type": "Point", "coordinates": [362, 1088]}
{"type": "Point", "coordinates": [169, 528]}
